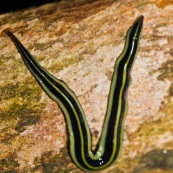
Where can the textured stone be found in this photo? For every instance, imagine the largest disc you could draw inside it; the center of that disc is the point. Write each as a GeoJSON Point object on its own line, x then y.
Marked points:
{"type": "Point", "coordinates": [78, 41]}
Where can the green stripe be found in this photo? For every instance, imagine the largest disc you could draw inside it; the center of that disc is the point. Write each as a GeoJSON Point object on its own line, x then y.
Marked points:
{"type": "Point", "coordinates": [111, 139]}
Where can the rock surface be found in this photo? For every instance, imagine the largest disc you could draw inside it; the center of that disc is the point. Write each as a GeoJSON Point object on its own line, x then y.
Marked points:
{"type": "Point", "coordinates": [78, 41]}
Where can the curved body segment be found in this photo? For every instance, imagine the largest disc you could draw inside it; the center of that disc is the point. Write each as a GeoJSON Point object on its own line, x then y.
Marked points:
{"type": "Point", "coordinates": [110, 143]}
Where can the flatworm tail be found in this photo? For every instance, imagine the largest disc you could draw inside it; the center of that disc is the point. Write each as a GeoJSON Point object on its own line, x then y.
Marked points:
{"type": "Point", "coordinates": [110, 143]}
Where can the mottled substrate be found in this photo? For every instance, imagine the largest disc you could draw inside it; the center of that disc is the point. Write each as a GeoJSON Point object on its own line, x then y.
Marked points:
{"type": "Point", "coordinates": [51, 162]}
{"type": "Point", "coordinates": [79, 43]}
{"type": "Point", "coordinates": [162, 3]}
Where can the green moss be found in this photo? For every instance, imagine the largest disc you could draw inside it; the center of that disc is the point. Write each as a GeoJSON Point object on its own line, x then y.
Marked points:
{"type": "Point", "coordinates": [17, 110]}
{"type": "Point", "coordinates": [158, 159]}
{"type": "Point", "coordinates": [8, 91]}
{"type": "Point", "coordinates": [28, 120]}
{"type": "Point", "coordinates": [65, 61]}
{"type": "Point", "coordinates": [53, 163]}
{"type": "Point", "coordinates": [8, 137]}
{"type": "Point", "coordinates": [23, 103]}
{"type": "Point", "coordinates": [90, 49]}
{"type": "Point", "coordinates": [171, 90]}
{"type": "Point", "coordinates": [166, 71]}
{"type": "Point", "coordinates": [9, 164]}
{"type": "Point", "coordinates": [56, 67]}
{"type": "Point", "coordinates": [41, 46]}
{"type": "Point", "coordinates": [3, 60]}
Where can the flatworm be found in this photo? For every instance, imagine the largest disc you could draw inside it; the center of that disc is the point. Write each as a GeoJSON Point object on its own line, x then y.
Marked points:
{"type": "Point", "coordinates": [110, 143]}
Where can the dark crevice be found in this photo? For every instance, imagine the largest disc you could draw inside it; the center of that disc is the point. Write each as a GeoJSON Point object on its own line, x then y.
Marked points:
{"type": "Point", "coordinates": [14, 5]}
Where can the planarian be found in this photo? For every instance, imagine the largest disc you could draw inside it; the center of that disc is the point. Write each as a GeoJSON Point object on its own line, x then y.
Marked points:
{"type": "Point", "coordinates": [110, 143]}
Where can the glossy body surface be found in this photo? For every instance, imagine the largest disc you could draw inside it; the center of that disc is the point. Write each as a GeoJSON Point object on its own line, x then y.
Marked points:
{"type": "Point", "coordinates": [110, 143]}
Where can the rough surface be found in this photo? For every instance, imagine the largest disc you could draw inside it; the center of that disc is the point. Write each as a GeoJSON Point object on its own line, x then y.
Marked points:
{"type": "Point", "coordinates": [78, 41]}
